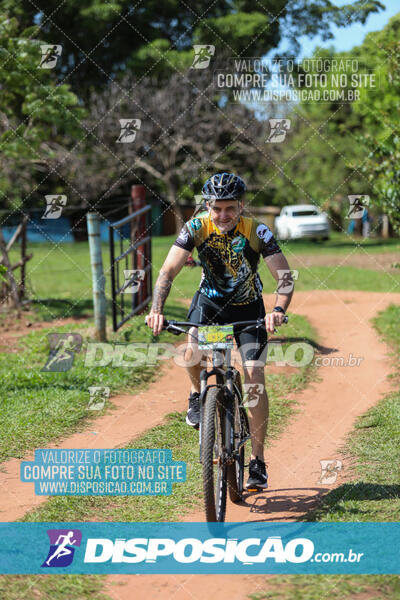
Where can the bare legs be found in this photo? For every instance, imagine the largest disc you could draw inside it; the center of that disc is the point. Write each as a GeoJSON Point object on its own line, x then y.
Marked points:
{"type": "Point", "coordinates": [258, 414]}
{"type": "Point", "coordinates": [191, 352]}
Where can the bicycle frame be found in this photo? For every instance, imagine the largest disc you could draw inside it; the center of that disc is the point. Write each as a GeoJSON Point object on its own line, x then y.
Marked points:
{"type": "Point", "coordinates": [224, 426]}
{"type": "Point", "coordinates": [225, 378]}
{"type": "Point", "coordinates": [225, 374]}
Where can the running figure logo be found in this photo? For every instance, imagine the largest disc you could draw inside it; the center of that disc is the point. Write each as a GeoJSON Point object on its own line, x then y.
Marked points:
{"type": "Point", "coordinates": [98, 397]}
{"type": "Point", "coordinates": [358, 205]}
{"type": "Point", "coordinates": [129, 128]}
{"type": "Point", "coordinates": [202, 56]}
{"type": "Point", "coordinates": [62, 351]}
{"type": "Point", "coordinates": [50, 54]}
{"type": "Point", "coordinates": [54, 207]}
{"type": "Point", "coordinates": [133, 280]}
{"type": "Point", "coordinates": [252, 394]}
{"type": "Point", "coordinates": [286, 279]}
{"type": "Point", "coordinates": [279, 129]}
{"type": "Point", "coordinates": [329, 471]}
{"type": "Point", "coordinates": [62, 542]}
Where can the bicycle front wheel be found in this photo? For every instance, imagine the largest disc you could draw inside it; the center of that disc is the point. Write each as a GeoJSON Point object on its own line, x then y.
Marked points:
{"type": "Point", "coordinates": [235, 473]}
{"type": "Point", "coordinates": [213, 455]}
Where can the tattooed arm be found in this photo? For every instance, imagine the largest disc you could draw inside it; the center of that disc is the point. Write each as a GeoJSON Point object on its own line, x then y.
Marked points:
{"type": "Point", "coordinates": [161, 291]}
{"type": "Point", "coordinates": [173, 264]}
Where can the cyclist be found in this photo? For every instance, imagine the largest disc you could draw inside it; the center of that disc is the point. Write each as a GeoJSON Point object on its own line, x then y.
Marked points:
{"type": "Point", "coordinates": [229, 247]}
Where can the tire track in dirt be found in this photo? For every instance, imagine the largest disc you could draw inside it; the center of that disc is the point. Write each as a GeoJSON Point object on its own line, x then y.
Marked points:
{"type": "Point", "coordinates": [328, 410]}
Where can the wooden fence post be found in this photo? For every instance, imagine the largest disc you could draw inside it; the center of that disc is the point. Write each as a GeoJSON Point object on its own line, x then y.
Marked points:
{"type": "Point", "coordinates": [23, 256]}
{"type": "Point", "coordinates": [138, 196]}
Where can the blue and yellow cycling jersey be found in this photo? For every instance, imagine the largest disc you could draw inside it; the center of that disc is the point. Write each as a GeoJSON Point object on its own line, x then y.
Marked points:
{"type": "Point", "coordinates": [229, 260]}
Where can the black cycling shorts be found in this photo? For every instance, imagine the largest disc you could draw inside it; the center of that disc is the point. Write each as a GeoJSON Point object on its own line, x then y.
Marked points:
{"type": "Point", "coordinates": [252, 343]}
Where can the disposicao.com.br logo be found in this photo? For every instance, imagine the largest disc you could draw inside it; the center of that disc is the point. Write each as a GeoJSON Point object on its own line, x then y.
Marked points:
{"type": "Point", "coordinates": [248, 551]}
{"type": "Point", "coordinates": [203, 548]}
{"type": "Point", "coordinates": [191, 550]}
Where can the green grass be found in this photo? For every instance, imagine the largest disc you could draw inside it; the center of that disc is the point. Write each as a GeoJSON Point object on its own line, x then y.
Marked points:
{"type": "Point", "coordinates": [38, 407]}
{"type": "Point", "coordinates": [372, 493]}
{"type": "Point", "coordinates": [174, 435]}
{"type": "Point", "coordinates": [387, 324]}
{"type": "Point", "coordinates": [52, 587]}
{"type": "Point", "coordinates": [60, 277]}
{"type": "Point", "coordinates": [341, 243]}
{"type": "Point", "coordinates": [347, 278]}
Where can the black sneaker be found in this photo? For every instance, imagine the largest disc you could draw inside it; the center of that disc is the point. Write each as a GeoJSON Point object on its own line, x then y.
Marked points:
{"type": "Point", "coordinates": [193, 413]}
{"type": "Point", "coordinates": [258, 478]}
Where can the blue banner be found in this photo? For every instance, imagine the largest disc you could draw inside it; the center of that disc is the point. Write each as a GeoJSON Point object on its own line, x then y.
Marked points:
{"type": "Point", "coordinates": [202, 548]}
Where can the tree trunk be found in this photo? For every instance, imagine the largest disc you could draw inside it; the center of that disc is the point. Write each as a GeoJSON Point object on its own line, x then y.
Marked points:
{"type": "Point", "coordinates": [9, 274]}
{"type": "Point", "coordinates": [176, 209]}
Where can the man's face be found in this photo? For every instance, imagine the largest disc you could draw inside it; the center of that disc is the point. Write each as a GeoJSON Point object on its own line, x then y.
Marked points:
{"type": "Point", "coordinates": [225, 214]}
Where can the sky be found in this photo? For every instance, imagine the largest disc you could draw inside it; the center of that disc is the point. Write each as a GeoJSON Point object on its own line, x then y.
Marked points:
{"type": "Point", "coordinates": [348, 37]}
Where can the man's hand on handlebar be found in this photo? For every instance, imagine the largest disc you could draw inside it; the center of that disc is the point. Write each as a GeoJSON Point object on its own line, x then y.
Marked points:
{"type": "Point", "coordinates": [155, 321]}
{"type": "Point", "coordinates": [272, 320]}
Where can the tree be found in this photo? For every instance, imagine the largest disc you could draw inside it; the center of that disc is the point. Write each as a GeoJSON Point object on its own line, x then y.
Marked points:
{"type": "Point", "coordinates": [321, 158]}
{"type": "Point", "coordinates": [35, 113]}
{"type": "Point", "coordinates": [381, 113]}
{"type": "Point", "coordinates": [335, 149]}
{"type": "Point", "coordinates": [382, 169]}
{"type": "Point", "coordinates": [102, 40]}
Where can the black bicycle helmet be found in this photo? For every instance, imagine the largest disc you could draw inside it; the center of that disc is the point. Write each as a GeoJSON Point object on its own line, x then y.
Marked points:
{"type": "Point", "coordinates": [223, 186]}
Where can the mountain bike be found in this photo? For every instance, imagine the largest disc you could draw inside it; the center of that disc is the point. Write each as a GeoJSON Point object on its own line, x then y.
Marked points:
{"type": "Point", "coordinates": [224, 426]}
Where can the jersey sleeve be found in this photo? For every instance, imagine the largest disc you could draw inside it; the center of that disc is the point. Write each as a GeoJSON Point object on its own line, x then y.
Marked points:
{"type": "Point", "coordinates": [270, 248]}
{"type": "Point", "coordinates": [267, 244]}
{"type": "Point", "coordinates": [185, 238]}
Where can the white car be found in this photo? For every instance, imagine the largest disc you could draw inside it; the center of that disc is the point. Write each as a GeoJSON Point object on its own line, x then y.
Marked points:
{"type": "Point", "coordinates": [302, 221]}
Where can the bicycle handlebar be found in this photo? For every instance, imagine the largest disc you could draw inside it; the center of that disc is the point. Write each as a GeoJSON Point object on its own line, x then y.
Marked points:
{"type": "Point", "coordinates": [175, 327]}
{"type": "Point", "coordinates": [192, 324]}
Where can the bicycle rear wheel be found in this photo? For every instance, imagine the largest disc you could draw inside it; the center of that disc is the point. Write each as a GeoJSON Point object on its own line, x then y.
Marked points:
{"type": "Point", "coordinates": [213, 453]}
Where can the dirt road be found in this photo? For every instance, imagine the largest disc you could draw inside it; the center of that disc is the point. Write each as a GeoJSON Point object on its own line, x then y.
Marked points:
{"type": "Point", "coordinates": [328, 409]}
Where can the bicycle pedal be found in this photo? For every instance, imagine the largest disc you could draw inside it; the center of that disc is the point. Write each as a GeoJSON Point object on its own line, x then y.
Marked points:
{"type": "Point", "coordinates": [256, 489]}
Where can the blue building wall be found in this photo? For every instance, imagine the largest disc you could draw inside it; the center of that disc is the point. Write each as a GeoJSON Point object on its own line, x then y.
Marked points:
{"type": "Point", "coordinates": [44, 230]}
{"type": "Point", "coordinates": [59, 230]}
